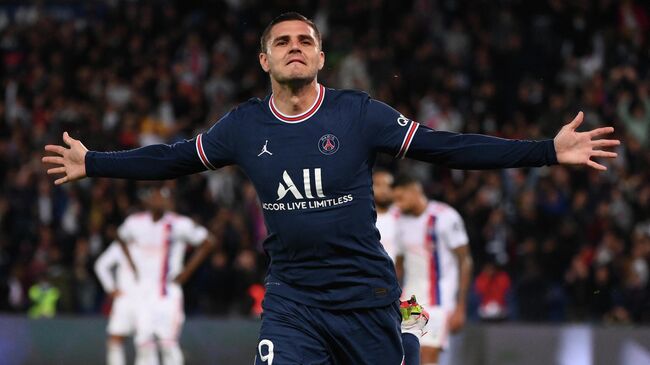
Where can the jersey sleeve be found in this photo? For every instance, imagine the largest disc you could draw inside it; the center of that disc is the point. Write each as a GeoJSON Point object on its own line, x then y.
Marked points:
{"type": "Point", "coordinates": [154, 162]}
{"type": "Point", "coordinates": [108, 258]}
{"type": "Point", "coordinates": [125, 232]}
{"type": "Point", "coordinates": [385, 129]}
{"type": "Point", "coordinates": [453, 230]}
{"type": "Point", "coordinates": [209, 150]}
{"type": "Point", "coordinates": [216, 147]}
{"type": "Point", "coordinates": [477, 151]}
{"type": "Point", "coordinates": [190, 232]}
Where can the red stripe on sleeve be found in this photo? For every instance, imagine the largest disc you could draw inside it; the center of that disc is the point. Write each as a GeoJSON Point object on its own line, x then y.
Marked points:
{"type": "Point", "coordinates": [201, 153]}
{"type": "Point", "coordinates": [407, 140]}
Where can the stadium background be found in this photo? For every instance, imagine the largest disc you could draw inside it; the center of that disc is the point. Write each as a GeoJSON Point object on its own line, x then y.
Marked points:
{"type": "Point", "coordinates": [555, 246]}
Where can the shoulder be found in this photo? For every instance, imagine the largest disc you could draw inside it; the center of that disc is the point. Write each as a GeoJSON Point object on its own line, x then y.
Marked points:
{"type": "Point", "coordinates": [443, 210]}
{"type": "Point", "coordinates": [242, 112]}
{"type": "Point", "coordinates": [180, 221]}
{"type": "Point", "coordinates": [136, 217]}
{"type": "Point", "coordinates": [111, 250]}
{"type": "Point", "coordinates": [345, 98]}
{"type": "Point", "coordinates": [346, 94]}
{"type": "Point", "coordinates": [173, 218]}
{"type": "Point", "coordinates": [251, 106]}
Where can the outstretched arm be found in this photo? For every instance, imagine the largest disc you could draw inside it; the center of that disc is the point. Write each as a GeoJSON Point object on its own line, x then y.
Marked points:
{"type": "Point", "coordinates": [155, 162]}
{"type": "Point", "coordinates": [210, 150]}
{"type": "Point", "coordinates": [475, 151]}
{"type": "Point", "coordinates": [388, 131]}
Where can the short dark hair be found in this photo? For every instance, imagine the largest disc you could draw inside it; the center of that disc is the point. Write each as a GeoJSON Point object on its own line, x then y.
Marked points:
{"type": "Point", "coordinates": [403, 180]}
{"type": "Point", "coordinates": [284, 18]}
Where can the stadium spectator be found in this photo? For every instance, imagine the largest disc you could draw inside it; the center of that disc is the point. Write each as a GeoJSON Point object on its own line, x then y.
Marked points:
{"type": "Point", "coordinates": [492, 286]}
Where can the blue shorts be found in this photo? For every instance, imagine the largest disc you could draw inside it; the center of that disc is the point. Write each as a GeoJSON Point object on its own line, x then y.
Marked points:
{"type": "Point", "coordinates": [297, 334]}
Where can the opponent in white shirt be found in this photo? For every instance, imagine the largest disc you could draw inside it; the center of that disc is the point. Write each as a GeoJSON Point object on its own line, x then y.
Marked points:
{"type": "Point", "coordinates": [437, 262]}
{"type": "Point", "coordinates": [387, 214]}
{"type": "Point", "coordinates": [414, 316]}
{"type": "Point", "coordinates": [120, 286]}
{"type": "Point", "coordinates": [157, 240]}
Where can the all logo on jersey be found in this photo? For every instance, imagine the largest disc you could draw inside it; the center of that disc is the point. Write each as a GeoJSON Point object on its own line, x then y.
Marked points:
{"type": "Point", "coordinates": [290, 187]}
{"type": "Point", "coordinates": [328, 144]}
{"type": "Point", "coordinates": [308, 195]}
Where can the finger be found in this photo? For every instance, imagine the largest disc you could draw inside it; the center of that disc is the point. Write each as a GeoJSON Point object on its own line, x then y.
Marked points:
{"type": "Point", "coordinates": [56, 170]}
{"type": "Point", "coordinates": [605, 143]}
{"type": "Point", "coordinates": [596, 165]}
{"type": "Point", "coordinates": [575, 123]}
{"type": "Point", "coordinates": [53, 159]}
{"type": "Point", "coordinates": [600, 131]}
{"type": "Point", "coordinates": [56, 149]}
{"type": "Point", "coordinates": [599, 153]}
{"type": "Point", "coordinates": [60, 181]}
{"type": "Point", "coordinates": [67, 139]}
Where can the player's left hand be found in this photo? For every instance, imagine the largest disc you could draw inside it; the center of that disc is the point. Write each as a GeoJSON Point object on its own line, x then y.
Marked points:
{"type": "Point", "coordinates": [457, 319]}
{"type": "Point", "coordinates": [578, 148]}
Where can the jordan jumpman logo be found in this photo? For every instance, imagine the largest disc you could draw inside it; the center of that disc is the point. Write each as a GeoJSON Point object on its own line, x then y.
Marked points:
{"type": "Point", "coordinates": [264, 150]}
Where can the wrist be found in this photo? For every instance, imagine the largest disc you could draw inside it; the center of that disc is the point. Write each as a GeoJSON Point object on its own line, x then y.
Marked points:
{"type": "Point", "coordinates": [88, 163]}
{"type": "Point", "coordinates": [552, 157]}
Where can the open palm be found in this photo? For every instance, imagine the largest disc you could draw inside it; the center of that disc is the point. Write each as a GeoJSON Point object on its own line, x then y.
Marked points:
{"type": "Point", "coordinates": [578, 148]}
{"type": "Point", "coordinates": [70, 161]}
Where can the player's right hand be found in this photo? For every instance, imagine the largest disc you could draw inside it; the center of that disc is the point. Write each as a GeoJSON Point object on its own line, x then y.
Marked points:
{"type": "Point", "coordinates": [457, 319]}
{"type": "Point", "coordinates": [115, 293]}
{"type": "Point", "coordinates": [71, 162]}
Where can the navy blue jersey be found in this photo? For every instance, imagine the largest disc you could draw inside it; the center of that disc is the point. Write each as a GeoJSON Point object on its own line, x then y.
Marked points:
{"type": "Point", "coordinates": [313, 175]}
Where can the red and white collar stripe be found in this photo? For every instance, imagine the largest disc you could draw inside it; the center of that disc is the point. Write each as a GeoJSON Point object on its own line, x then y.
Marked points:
{"type": "Point", "coordinates": [408, 138]}
{"type": "Point", "coordinates": [299, 117]}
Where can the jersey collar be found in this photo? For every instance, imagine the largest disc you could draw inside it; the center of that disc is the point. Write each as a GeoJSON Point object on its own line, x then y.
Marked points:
{"type": "Point", "coordinates": [299, 117]}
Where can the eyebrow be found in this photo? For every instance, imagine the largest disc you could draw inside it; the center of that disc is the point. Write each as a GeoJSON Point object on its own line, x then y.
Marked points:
{"type": "Point", "coordinates": [300, 37]}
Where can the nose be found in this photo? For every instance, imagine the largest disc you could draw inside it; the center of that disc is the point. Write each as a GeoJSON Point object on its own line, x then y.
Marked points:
{"type": "Point", "coordinates": [295, 45]}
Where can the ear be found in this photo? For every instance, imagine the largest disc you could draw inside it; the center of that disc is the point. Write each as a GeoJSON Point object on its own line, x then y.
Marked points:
{"type": "Point", "coordinates": [264, 61]}
{"type": "Point", "coordinates": [321, 60]}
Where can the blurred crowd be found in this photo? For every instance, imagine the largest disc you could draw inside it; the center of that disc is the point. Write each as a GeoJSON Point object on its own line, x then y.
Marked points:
{"type": "Point", "coordinates": [549, 244]}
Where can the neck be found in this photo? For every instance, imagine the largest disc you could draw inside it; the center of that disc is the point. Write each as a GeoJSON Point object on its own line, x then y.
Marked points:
{"type": "Point", "coordinates": [156, 215]}
{"type": "Point", "coordinates": [421, 206]}
{"type": "Point", "coordinates": [294, 97]}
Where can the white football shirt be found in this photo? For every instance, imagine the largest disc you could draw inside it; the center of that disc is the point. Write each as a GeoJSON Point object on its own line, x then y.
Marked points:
{"type": "Point", "coordinates": [387, 226]}
{"type": "Point", "coordinates": [158, 247]}
{"type": "Point", "coordinates": [427, 242]}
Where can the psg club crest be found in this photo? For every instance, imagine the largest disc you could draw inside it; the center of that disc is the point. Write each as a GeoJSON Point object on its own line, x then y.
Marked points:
{"type": "Point", "coordinates": [328, 144]}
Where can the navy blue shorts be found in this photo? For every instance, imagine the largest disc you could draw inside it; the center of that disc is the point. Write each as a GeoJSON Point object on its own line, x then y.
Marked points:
{"type": "Point", "coordinates": [297, 334]}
